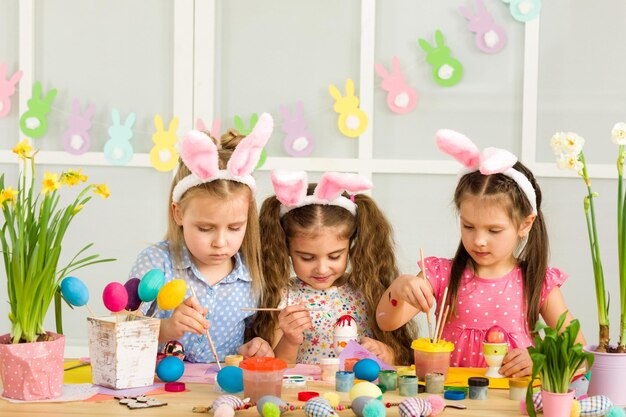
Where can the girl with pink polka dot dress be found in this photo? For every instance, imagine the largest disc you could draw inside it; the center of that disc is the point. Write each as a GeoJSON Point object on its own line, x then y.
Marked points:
{"type": "Point", "coordinates": [212, 243]}
{"type": "Point", "coordinates": [341, 249]}
{"type": "Point", "coordinates": [499, 274]}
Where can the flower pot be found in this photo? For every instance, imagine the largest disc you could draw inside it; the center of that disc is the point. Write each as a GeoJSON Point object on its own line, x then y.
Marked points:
{"type": "Point", "coordinates": [557, 404]}
{"type": "Point", "coordinates": [32, 371]}
{"type": "Point", "coordinates": [123, 352]}
{"type": "Point", "coordinates": [607, 369]}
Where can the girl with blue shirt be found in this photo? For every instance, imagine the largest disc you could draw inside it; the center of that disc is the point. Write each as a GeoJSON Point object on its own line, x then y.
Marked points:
{"type": "Point", "coordinates": [212, 242]}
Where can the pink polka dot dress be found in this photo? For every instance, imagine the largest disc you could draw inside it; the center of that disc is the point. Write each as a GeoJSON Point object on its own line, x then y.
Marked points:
{"type": "Point", "coordinates": [483, 303]}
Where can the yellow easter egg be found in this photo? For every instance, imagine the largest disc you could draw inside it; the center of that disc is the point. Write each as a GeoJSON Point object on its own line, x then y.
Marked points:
{"type": "Point", "coordinates": [172, 294]}
{"type": "Point", "coordinates": [332, 397]}
{"type": "Point", "coordinates": [365, 389]}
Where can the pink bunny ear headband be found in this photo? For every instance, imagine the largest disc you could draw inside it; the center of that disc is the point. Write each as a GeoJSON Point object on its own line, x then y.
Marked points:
{"type": "Point", "coordinates": [200, 155]}
{"type": "Point", "coordinates": [491, 161]}
{"type": "Point", "coordinates": [291, 188]}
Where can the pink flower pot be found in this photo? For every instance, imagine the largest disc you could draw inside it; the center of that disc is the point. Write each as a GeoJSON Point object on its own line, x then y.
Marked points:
{"type": "Point", "coordinates": [557, 404]}
{"type": "Point", "coordinates": [606, 371]}
{"type": "Point", "coordinates": [32, 371]}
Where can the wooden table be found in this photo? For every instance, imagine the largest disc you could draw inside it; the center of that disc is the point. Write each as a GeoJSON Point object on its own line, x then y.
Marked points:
{"type": "Point", "coordinates": [498, 405]}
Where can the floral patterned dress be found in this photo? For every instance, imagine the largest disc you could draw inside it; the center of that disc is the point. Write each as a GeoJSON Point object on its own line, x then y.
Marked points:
{"type": "Point", "coordinates": [334, 302]}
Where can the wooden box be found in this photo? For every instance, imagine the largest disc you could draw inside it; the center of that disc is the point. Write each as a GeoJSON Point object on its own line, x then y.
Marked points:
{"type": "Point", "coordinates": [123, 352]}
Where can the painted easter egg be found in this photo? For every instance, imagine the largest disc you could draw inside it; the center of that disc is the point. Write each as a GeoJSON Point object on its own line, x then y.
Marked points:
{"type": "Point", "coordinates": [495, 334]}
{"type": "Point", "coordinates": [132, 287]}
{"type": "Point", "coordinates": [229, 400]}
{"type": "Point", "coordinates": [269, 404]}
{"type": "Point", "coordinates": [174, 348]}
{"type": "Point", "coordinates": [415, 407]}
{"type": "Point", "coordinates": [366, 369]}
{"type": "Point", "coordinates": [230, 379]}
{"type": "Point", "coordinates": [365, 389]}
{"type": "Point", "coordinates": [368, 407]}
{"type": "Point", "coordinates": [318, 407]}
{"type": "Point", "coordinates": [170, 369]}
{"type": "Point", "coordinates": [74, 291]}
{"type": "Point", "coordinates": [151, 284]}
{"type": "Point", "coordinates": [172, 294]}
{"type": "Point", "coordinates": [115, 297]}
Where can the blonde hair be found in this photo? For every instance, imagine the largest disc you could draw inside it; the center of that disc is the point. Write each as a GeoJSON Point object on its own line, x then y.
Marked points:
{"type": "Point", "coordinates": [371, 255]}
{"type": "Point", "coordinates": [220, 189]}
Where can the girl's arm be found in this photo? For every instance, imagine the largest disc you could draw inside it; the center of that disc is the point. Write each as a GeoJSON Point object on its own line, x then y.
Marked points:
{"type": "Point", "coordinates": [553, 307]}
{"type": "Point", "coordinates": [292, 322]}
{"type": "Point", "coordinates": [381, 350]}
{"type": "Point", "coordinates": [517, 362]}
{"type": "Point", "coordinates": [406, 296]}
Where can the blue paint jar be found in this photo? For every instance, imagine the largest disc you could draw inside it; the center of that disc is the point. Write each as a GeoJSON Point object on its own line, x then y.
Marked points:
{"type": "Point", "coordinates": [344, 381]}
{"type": "Point", "coordinates": [408, 385]}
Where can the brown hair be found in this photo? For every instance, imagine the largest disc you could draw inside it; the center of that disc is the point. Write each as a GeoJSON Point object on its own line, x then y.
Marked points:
{"type": "Point", "coordinates": [250, 247]}
{"type": "Point", "coordinates": [371, 255]}
{"type": "Point", "coordinates": [533, 260]}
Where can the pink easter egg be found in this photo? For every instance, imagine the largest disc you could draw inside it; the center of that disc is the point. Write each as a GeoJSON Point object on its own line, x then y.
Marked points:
{"type": "Point", "coordinates": [115, 297]}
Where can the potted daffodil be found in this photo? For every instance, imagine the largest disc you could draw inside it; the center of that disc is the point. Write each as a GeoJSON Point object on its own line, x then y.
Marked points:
{"type": "Point", "coordinates": [35, 224]}
{"type": "Point", "coordinates": [568, 148]}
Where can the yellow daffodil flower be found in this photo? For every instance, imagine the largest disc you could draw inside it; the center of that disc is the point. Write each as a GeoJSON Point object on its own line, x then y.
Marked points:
{"type": "Point", "coordinates": [23, 149]}
{"type": "Point", "coordinates": [72, 177]}
{"type": "Point", "coordinates": [77, 209]}
{"type": "Point", "coordinates": [102, 189]}
{"type": "Point", "coordinates": [50, 182]}
{"type": "Point", "coordinates": [7, 195]}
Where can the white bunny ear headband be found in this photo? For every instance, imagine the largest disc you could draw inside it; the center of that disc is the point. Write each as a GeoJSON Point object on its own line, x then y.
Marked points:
{"type": "Point", "coordinates": [291, 189]}
{"type": "Point", "coordinates": [200, 155]}
{"type": "Point", "coordinates": [491, 161]}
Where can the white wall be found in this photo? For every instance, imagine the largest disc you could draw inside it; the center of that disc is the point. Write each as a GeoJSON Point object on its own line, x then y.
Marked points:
{"type": "Point", "coordinates": [245, 56]}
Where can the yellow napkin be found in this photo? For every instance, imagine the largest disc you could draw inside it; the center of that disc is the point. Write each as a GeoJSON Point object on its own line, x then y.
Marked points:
{"type": "Point", "coordinates": [457, 377]}
{"type": "Point", "coordinates": [80, 375]}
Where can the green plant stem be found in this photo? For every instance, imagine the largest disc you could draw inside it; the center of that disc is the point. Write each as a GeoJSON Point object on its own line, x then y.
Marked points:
{"type": "Point", "coordinates": [598, 273]}
{"type": "Point", "coordinates": [58, 313]}
{"type": "Point", "coordinates": [621, 229]}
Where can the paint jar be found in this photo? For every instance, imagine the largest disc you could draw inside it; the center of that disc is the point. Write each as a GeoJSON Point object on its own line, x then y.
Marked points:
{"type": "Point", "coordinates": [431, 357]}
{"type": "Point", "coordinates": [434, 383]}
{"type": "Point", "coordinates": [232, 360]}
{"type": "Point", "coordinates": [408, 385]}
{"type": "Point", "coordinates": [262, 376]}
{"type": "Point", "coordinates": [348, 364]}
{"type": "Point", "coordinates": [517, 388]}
{"type": "Point", "coordinates": [344, 381]}
{"type": "Point", "coordinates": [329, 367]}
{"type": "Point", "coordinates": [388, 379]}
{"type": "Point", "coordinates": [478, 387]}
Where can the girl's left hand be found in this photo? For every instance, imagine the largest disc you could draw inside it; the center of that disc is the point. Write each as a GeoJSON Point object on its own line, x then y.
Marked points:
{"type": "Point", "coordinates": [256, 347]}
{"type": "Point", "coordinates": [381, 350]}
{"type": "Point", "coordinates": [517, 363]}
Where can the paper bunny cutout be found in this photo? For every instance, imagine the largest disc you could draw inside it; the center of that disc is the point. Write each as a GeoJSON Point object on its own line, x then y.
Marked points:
{"type": "Point", "coordinates": [490, 37]}
{"type": "Point", "coordinates": [215, 127]}
{"type": "Point", "coordinates": [490, 161]}
{"type": "Point", "coordinates": [401, 97]}
{"type": "Point", "coordinates": [34, 122]}
{"type": "Point", "coordinates": [7, 89]}
{"type": "Point", "coordinates": [118, 150]}
{"type": "Point", "coordinates": [163, 156]}
{"type": "Point", "coordinates": [200, 155]}
{"type": "Point", "coordinates": [352, 120]}
{"type": "Point", "coordinates": [524, 10]}
{"type": "Point", "coordinates": [447, 71]}
{"type": "Point", "coordinates": [241, 127]}
{"type": "Point", "coordinates": [76, 139]}
{"type": "Point", "coordinates": [298, 141]}
{"type": "Point", "coordinates": [291, 189]}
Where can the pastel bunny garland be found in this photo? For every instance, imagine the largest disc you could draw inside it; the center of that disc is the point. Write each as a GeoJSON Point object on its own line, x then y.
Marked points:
{"type": "Point", "coordinates": [200, 155]}
{"type": "Point", "coordinates": [491, 161]}
{"type": "Point", "coordinates": [291, 189]}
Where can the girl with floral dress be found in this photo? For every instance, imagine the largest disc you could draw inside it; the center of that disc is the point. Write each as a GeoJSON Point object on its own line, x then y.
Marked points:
{"type": "Point", "coordinates": [342, 252]}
